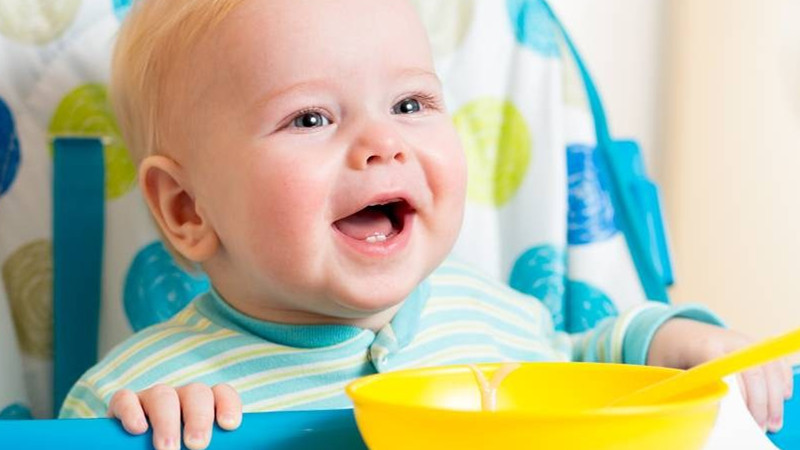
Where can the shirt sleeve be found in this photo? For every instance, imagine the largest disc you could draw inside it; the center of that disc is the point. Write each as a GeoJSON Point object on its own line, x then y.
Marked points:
{"type": "Point", "coordinates": [626, 338]}
{"type": "Point", "coordinates": [83, 402]}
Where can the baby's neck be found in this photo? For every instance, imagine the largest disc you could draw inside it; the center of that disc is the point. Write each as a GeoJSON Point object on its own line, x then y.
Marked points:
{"type": "Point", "coordinates": [368, 320]}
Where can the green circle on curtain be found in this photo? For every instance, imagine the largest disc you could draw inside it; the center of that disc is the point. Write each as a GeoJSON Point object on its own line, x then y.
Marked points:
{"type": "Point", "coordinates": [446, 21]}
{"type": "Point", "coordinates": [498, 147]}
{"type": "Point", "coordinates": [85, 111]}
{"type": "Point", "coordinates": [36, 21]}
{"type": "Point", "coordinates": [28, 278]}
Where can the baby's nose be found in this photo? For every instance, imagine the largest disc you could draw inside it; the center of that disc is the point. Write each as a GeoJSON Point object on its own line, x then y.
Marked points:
{"type": "Point", "coordinates": [377, 144]}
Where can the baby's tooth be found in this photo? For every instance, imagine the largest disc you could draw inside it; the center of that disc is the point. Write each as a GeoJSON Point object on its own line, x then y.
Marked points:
{"type": "Point", "coordinates": [377, 237]}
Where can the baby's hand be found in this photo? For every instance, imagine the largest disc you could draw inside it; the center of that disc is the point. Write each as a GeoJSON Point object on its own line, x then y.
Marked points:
{"type": "Point", "coordinates": [196, 403]}
{"type": "Point", "coordinates": [683, 343]}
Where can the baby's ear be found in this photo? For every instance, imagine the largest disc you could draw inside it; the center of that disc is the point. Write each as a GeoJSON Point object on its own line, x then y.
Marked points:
{"type": "Point", "coordinates": [173, 206]}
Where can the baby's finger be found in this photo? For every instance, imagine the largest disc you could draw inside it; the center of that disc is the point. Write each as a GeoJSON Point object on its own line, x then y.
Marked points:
{"type": "Point", "coordinates": [162, 407]}
{"type": "Point", "coordinates": [788, 376]}
{"type": "Point", "coordinates": [125, 406]}
{"type": "Point", "coordinates": [742, 387]}
{"type": "Point", "coordinates": [775, 390]}
{"type": "Point", "coordinates": [229, 406]}
{"type": "Point", "coordinates": [757, 396]}
{"type": "Point", "coordinates": [197, 403]}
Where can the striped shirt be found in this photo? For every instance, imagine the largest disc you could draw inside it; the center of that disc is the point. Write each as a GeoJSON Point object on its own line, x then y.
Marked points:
{"type": "Point", "coordinates": [455, 316]}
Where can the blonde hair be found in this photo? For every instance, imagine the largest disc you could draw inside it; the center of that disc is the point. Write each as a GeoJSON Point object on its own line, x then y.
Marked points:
{"type": "Point", "coordinates": [153, 38]}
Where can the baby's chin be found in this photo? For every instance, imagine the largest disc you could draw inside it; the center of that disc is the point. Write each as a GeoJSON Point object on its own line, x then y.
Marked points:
{"type": "Point", "coordinates": [360, 306]}
{"type": "Point", "coordinates": [373, 298]}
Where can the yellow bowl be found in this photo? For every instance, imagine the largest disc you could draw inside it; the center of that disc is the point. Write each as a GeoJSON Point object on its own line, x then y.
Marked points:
{"type": "Point", "coordinates": [538, 406]}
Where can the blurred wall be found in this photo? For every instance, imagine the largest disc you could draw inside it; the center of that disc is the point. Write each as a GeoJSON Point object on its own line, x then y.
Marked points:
{"type": "Point", "coordinates": [731, 158]}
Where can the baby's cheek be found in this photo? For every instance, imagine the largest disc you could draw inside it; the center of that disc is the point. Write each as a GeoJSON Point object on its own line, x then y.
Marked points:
{"type": "Point", "coordinates": [451, 186]}
{"type": "Point", "coordinates": [453, 169]}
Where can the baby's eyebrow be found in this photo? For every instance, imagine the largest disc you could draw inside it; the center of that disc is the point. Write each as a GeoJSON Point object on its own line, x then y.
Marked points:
{"type": "Point", "coordinates": [304, 85]}
{"type": "Point", "coordinates": [317, 84]}
{"type": "Point", "coordinates": [416, 72]}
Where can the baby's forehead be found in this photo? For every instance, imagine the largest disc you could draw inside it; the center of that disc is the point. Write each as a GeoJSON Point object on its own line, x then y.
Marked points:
{"type": "Point", "coordinates": [279, 38]}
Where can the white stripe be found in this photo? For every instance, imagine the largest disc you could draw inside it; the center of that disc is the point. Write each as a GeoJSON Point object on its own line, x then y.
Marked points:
{"type": "Point", "coordinates": [459, 304]}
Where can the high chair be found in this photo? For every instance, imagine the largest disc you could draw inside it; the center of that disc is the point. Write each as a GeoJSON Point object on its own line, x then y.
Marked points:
{"type": "Point", "coordinates": [556, 206]}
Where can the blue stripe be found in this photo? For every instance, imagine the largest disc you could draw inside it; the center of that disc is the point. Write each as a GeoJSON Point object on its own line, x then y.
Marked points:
{"type": "Point", "coordinates": [169, 326]}
{"type": "Point", "coordinates": [340, 401]}
{"type": "Point", "coordinates": [78, 221]}
{"type": "Point", "coordinates": [134, 360]}
{"type": "Point", "coordinates": [297, 385]}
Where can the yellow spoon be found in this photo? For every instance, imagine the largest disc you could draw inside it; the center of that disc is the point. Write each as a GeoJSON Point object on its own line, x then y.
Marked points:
{"type": "Point", "coordinates": [713, 370]}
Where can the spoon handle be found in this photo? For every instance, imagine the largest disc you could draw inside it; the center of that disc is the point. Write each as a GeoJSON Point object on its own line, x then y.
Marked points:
{"type": "Point", "coordinates": [713, 370]}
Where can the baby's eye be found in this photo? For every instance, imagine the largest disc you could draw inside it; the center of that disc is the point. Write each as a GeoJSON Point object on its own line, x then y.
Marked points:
{"type": "Point", "coordinates": [407, 106]}
{"type": "Point", "coordinates": [310, 119]}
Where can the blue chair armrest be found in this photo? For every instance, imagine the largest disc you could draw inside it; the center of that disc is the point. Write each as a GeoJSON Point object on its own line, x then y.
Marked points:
{"type": "Point", "coordinates": [283, 430]}
{"type": "Point", "coordinates": [789, 436]}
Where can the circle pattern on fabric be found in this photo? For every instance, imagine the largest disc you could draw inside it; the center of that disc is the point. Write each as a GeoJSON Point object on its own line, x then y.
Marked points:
{"type": "Point", "coordinates": [591, 212]}
{"type": "Point", "coordinates": [588, 306]}
{"type": "Point", "coordinates": [121, 8]}
{"type": "Point", "coordinates": [498, 147]}
{"type": "Point", "coordinates": [36, 21]}
{"type": "Point", "coordinates": [447, 22]}
{"type": "Point", "coordinates": [156, 288]}
{"type": "Point", "coordinates": [86, 111]}
{"type": "Point", "coordinates": [28, 277]}
{"type": "Point", "coordinates": [533, 27]}
{"type": "Point", "coordinates": [15, 411]}
{"type": "Point", "coordinates": [9, 149]}
{"type": "Point", "coordinates": [541, 272]}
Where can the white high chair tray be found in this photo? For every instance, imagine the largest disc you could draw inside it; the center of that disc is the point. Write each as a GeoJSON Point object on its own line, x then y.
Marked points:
{"type": "Point", "coordinates": [735, 427]}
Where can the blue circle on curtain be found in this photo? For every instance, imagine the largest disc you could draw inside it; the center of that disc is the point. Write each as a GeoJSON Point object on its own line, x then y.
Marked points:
{"type": "Point", "coordinates": [587, 306]}
{"type": "Point", "coordinates": [591, 211]}
{"type": "Point", "coordinates": [9, 148]}
{"type": "Point", "coordinates": [541, 272]}
{"type": "Point", "coordinates": [121, 8]}
{"type": "Point", "coordinates": [533, 27]}
{"type": "Point", "coordinates": [15, 411]}
{"type": "Point", "coordinates": [156, 288]}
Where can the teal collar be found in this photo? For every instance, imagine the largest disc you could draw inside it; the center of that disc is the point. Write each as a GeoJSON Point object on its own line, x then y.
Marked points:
{"type": "Point", "coordinates": [398, 333]}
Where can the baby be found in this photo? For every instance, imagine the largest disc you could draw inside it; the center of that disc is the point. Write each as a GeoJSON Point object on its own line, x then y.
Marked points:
{"type": "Point", "coordinates": [300, 153]}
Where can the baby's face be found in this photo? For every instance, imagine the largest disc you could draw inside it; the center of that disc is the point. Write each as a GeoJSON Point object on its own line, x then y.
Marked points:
{"type": "Point", "coordinates": [318, 147]}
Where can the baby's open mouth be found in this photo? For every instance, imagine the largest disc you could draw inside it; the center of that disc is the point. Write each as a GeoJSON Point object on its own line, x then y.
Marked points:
{"type": "Point", "coordinates": [376, 223]}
